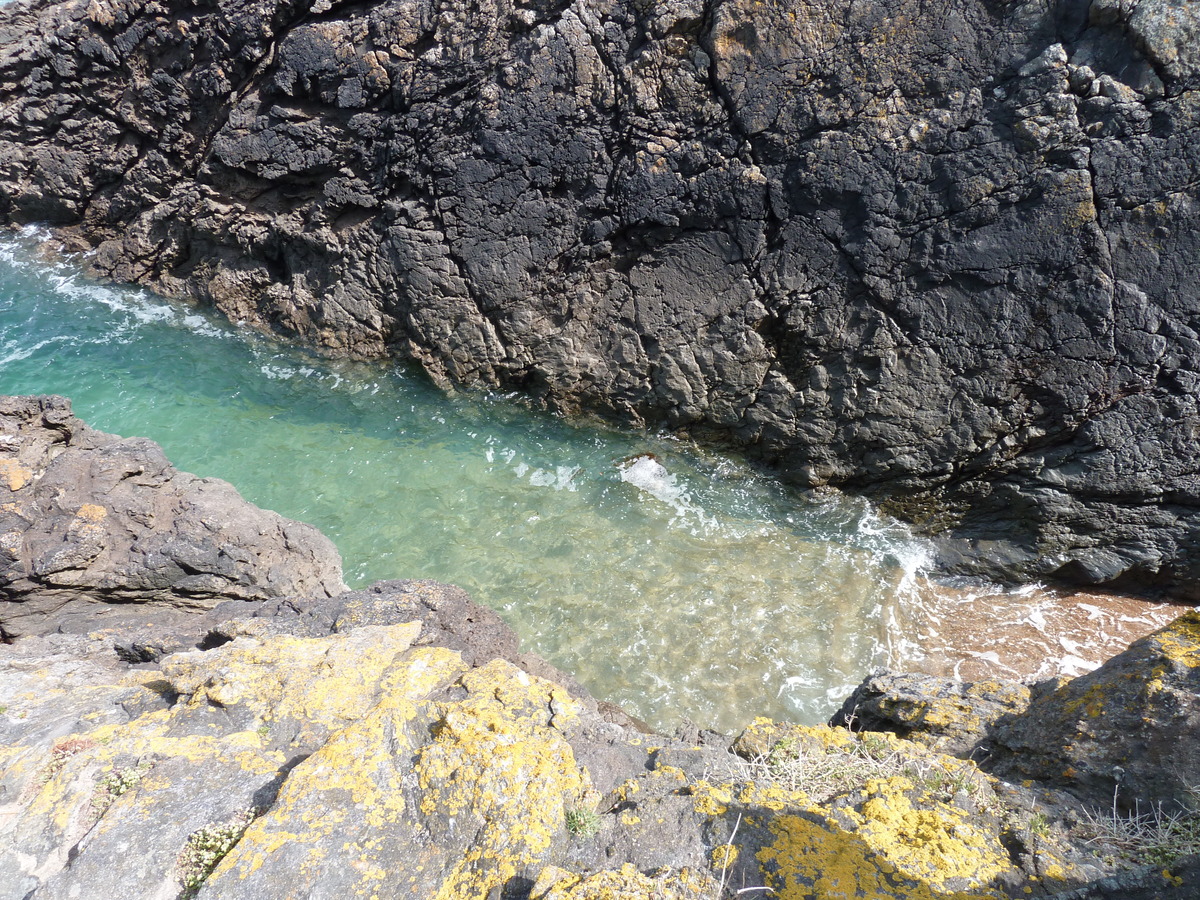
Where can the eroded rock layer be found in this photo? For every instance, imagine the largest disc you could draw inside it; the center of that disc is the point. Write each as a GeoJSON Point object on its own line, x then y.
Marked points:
{"type": "Point", "coordinates": [939, 252]}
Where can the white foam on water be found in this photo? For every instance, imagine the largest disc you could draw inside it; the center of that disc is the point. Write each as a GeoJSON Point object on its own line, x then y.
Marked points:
{"type": "Point", "coordinates": [651, 477]}
{"type": "Point", "coordinates": [63, 277]}
{"type": "Point", "coordinates": [14, 353]}
{"type": "Point", "coordinates": [560, 478]}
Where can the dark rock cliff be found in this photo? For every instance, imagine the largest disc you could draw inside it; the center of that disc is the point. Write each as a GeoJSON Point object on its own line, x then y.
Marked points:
{"type": "Point", "coordinates": [940, 252]}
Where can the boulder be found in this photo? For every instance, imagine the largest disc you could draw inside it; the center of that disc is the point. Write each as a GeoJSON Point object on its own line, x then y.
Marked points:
{"type": "Point", "coordinates": [950, 716]}
{"type": "Point", "coordinates": [1127, 733]}
{"type": "Point", "coordinates": [97, 531]}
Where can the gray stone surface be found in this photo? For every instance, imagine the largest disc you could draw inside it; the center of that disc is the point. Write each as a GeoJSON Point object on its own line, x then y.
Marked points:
{"type": "Point", "coordinates": [98, 531]}
{"type": "Point", "coordinates": [939, 253]}
{"type": "Point", "coordinates": [1127, 733]}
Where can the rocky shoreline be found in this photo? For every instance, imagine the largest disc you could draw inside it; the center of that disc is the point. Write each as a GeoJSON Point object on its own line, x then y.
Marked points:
{"type": "Point", "coordinates": [940, 254]}
{"type": "Point", "coordinates": [256, 731]}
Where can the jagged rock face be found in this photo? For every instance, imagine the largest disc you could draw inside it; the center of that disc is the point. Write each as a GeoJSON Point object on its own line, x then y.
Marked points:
{"type": "Point", "coordinates": [96, 529]}
{"type": "Point", "coordinates": [940, 252]}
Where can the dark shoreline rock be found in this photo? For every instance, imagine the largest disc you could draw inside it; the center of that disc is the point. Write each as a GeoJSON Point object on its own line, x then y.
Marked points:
{"type": "Point", "coordinates": [936, 254]}
{"type": "Point", "coordinates": [99, 531]}
{"type": "Point", "coordinates": [1126, 734]}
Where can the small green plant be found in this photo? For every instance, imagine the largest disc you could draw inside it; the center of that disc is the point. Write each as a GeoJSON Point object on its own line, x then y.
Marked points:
{"type": "Point", "coordinates": [114, 784]}
{"type": "Point", "coordinates": [582, 823]}
{"type": "Point", "coordinates": [1038, 826]}
{"type": "Point", "coordinates": [875, 745]}
{"type": "Point", "coordinates": [206, 847]}
{"type": "Point", "coordinates": [263, 730]}
{"type": "Point", "coordinates": [3, 709]}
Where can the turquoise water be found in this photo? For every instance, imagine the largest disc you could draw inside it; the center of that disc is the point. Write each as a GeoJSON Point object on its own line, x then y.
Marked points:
{"type": "Point", "coordinates": [678, 584]}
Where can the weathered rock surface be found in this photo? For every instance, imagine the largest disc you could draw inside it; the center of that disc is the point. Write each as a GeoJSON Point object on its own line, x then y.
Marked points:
{"type": "Point", "coordinates": [1130, 729]}
{"type": "Point", "coordinates": [369, 762]}
{"type": "Point", "coordinates": [99, 531]}
{"type": "Point", "coordinates": [941, 253]}
{"type": "Point", "coordinates": [949, 716]}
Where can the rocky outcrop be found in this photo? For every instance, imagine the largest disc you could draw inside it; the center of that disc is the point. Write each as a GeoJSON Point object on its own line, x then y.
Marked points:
{"type": "Point", "coordinates": [1129, 730]}
{"type": "Point", "coordinates": [97, 531]}
{"type": "Point", "coordinates": [939, 253]}
{"type": "Point", "coordinates": [373, 762]}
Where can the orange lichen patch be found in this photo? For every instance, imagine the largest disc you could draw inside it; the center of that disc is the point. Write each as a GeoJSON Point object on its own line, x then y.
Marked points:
{"type": "Point", "coordinates": [1090, 703]}
{"type": "Point", "coordinates": [91, 512]}
{"type": "Point", "coordinates": [711, 799]}
{"type": "Point", "coordinates": [772, 796]}
{"type": "Point", "coordinates": [723, 856]}
{"type": "Point", "coordinates": [13, 474]}
{"type": "Point", "coordinates": [500, 761]}
{"type": "Point", "coordinates": [813, 858]}
{"type": "Point", "coordinates": [763, 737]}
{"type": "Point", "coordinates": [625, 883]}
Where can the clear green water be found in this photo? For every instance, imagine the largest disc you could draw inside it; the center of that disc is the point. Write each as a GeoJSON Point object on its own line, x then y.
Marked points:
{"type": "Point", "coordinates": [687, 585]}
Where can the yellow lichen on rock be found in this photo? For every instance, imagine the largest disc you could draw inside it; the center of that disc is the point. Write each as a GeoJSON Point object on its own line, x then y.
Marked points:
{"type": "Point", "coordinates": [1180, 641]}
{"type": "Point", "coordinates": [92, 513]}
{"type": "Point", "coordinates": [499, 759]}
{"type": "Point", "coordinates": [625, 883]}
{"type": "Point", "coordinates": [324, 682]}
{"type": "Point", "coordinates": [14, 475]}
{"type": "Point", "coordinates": [936, 843]}
{"type": "Point", "coordinates": [360, 768]}
{"type": "Point", "coordinates": [812, 858]}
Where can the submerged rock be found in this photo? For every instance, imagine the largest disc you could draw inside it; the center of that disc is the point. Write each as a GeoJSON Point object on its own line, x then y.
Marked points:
{"type": "Point", "coordinates": [940, 253]}
{"type": "Point", "coordinates": [99, 531]}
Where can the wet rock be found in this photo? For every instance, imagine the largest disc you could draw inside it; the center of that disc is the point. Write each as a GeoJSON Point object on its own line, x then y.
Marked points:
{"type": "Point", "coordinates": [936, 254]}
{"type": "Point", "coordinates": [98, 531]}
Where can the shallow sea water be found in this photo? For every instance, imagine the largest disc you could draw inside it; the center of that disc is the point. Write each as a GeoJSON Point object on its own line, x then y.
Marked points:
{"type": "Point", "coordinates": [674, 581]}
